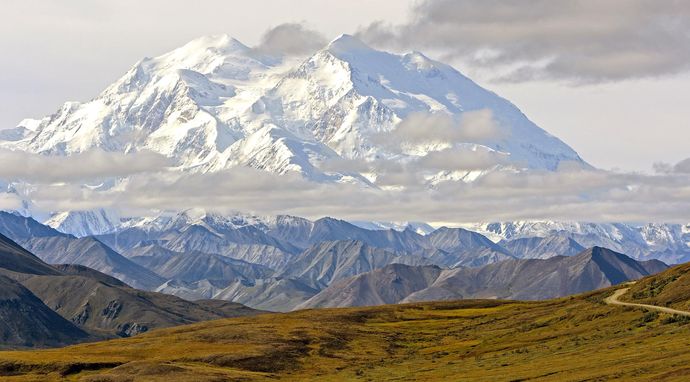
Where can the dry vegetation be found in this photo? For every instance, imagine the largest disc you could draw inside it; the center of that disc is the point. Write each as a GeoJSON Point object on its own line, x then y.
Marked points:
{"type": "Point", "coordinates": [572, 339]}
{"type": "Point", "coordinates": [670, 288]}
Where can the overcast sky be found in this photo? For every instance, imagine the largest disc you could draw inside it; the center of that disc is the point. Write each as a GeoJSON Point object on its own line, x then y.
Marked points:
{"type": "Point", "coordinates": [610, 80]}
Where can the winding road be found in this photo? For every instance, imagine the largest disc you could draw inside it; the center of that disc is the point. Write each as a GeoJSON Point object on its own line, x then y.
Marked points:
{"type": "Point", "coordinates": [613, 300]}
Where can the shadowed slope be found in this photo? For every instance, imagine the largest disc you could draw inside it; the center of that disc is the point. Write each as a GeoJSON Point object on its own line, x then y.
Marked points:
{"type": "Point", "coordinates": [25, 321]}
{"type": "Point", "coordinates": [17, 259]}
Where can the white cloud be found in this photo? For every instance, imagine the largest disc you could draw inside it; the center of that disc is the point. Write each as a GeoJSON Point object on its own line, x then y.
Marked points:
{"type": "Point", "coordinates": [291, 39]}
{"type": "Point", "coordinates": [9, 202]}
{"type": "Point", "coordinates": [682, 166]}
{"type": "Point", "coordinates": [90, 165]}
{"type": "Point", "coordinates": [567, 194]}
{"type": "Point", "coordinates": [453, 159]}
{"type": "Point", "coordinates": [440, 128]}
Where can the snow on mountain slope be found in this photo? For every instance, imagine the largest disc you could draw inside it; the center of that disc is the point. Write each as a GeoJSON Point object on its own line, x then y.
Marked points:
{"type": "Point", "coordinates": [169, 104]}
{"type": "Point", "coordinates": [348, 91]}
{"type": "Point", "coordinates": [215, 103]}
{"type": "Point", "coordinates": [667, 242]}
{"type": "Point", "coordinates": [85, 223]}
{"type": "Point", "coordinates": [418, 227]}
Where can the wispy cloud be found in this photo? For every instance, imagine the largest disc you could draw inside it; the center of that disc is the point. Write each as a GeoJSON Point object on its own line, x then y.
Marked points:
{"type": "Point", "coordinates": [440, 128]}
{"type": "Point", "coordinates": [10, 202]}
{"type": "Point", "coordinates": [90, 165]}
{"type": "Point", "coordinates": [682, 167]}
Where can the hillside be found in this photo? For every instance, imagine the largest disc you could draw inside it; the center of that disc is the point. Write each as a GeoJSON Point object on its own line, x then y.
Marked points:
{"type": "Point", "coordinates": [108, 310]}
{"type": "Point", "coordinates": [670, 288]}
{"type": "Point", "coordinates": [25, 321]}
{"type": "Point", "coordinates": [570, 339]}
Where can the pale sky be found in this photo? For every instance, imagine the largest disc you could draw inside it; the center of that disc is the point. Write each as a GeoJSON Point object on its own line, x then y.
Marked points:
{"type": "Point", "coordinates": [628, 114]}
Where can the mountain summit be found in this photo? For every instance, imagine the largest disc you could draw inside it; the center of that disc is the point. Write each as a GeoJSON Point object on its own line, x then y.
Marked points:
{"type": "Point", "coordinates": [215, 103]}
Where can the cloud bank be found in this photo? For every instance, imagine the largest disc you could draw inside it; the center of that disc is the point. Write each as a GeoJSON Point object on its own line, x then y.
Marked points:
{"type": "Point", "coordinates": [567, 194]}
{"type": "Point", "coordinates": [90, 165]}
{"type": "Point", "coordinates": [576, 40]}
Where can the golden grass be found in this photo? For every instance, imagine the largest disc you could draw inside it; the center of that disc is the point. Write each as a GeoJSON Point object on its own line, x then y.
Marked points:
{"type": "Point", "coordinates": [669, 288]}
{"type": "Point", "coordinates": [571, 339]}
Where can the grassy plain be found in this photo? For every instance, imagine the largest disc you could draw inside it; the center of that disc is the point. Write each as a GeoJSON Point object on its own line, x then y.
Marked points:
{"type": "Point", "coordinates": [578, 338]}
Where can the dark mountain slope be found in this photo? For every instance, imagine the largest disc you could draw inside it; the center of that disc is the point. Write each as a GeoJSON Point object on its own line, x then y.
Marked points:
{"type": "Point", "coordinates": [80, 270]}
{"type": "Point", "coordinates": [108, 309]}
{"type": "Point", "coordinates": [25, 321]}
{"type": "Point", "coordinates": [19, 228]}
{"type": "Point", "coordinates": [535, 279]}
{"type": "Point", "coordinates": [16, 259]}
{"type": "Point", "coordinates": [51, 306]}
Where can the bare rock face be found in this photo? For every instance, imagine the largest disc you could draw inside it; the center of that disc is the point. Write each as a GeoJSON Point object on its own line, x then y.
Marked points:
{"type": "Point", "coordinates": [129, 330]}
{"type": "Point", "coordinates": [112, 310]}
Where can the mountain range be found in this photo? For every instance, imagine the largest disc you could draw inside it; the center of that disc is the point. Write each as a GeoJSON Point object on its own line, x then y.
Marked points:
{"type": "Point", "coordinates": [284, 263]}
{"type": "Point", "coordinates": [532, 279]}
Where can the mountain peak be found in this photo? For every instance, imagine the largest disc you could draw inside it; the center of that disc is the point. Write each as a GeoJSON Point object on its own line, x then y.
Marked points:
{"type": "Point", "coordinates": [221, 42]}
{"type": "Point", "coordinates": [235, 107]}
{"type": "Point", "coordinates": [346, 43]}
{"type": "Point", "coordinates": [598, 252]}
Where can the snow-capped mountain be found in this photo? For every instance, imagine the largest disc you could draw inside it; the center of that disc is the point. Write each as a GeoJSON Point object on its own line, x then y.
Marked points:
{"type": "Point", "coordinates": [215, 103]}
{"type": "Point", "coordinates": [667, 242]}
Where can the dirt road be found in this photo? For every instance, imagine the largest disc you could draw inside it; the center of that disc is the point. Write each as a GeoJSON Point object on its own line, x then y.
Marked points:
{"type": "Point", "coordinates": [613, 300]}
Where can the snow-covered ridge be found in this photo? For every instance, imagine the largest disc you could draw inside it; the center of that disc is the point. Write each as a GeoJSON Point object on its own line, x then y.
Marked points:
{"type": "Point", "coordinates": [215, 103]}
{"type": "Point", "coordinates": [670, 242]}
